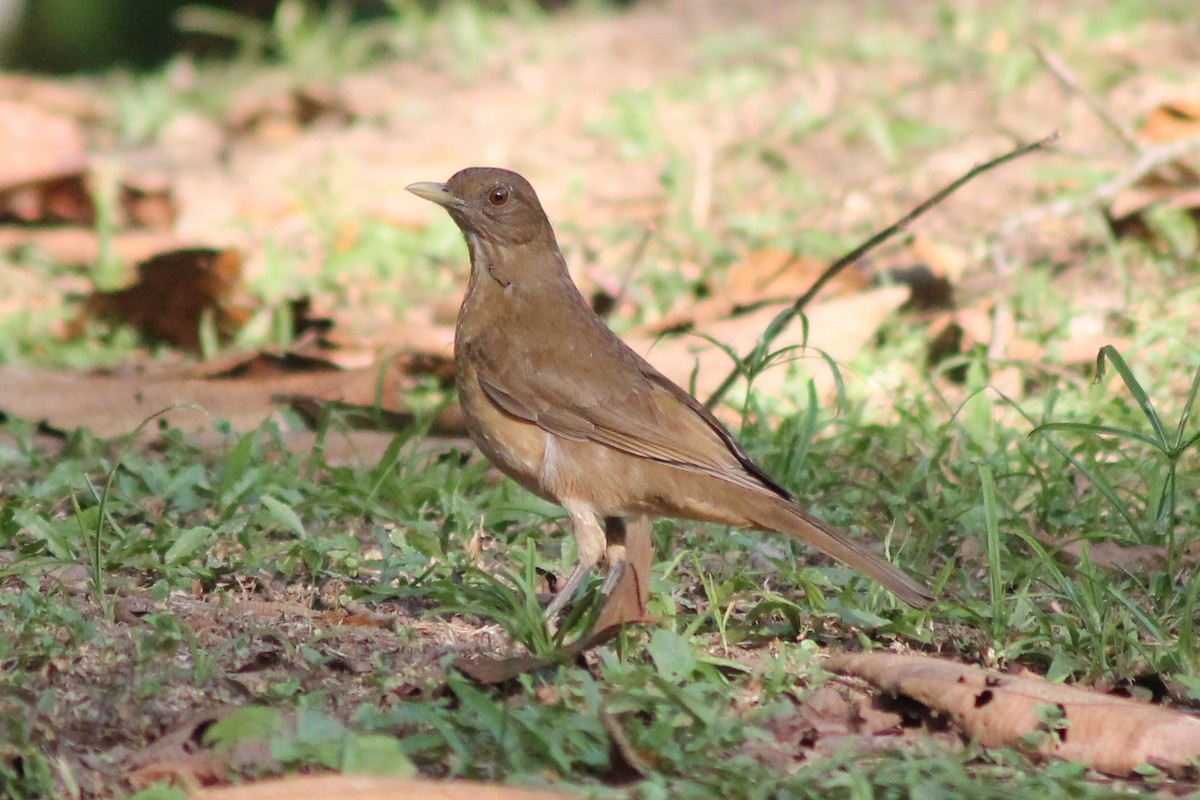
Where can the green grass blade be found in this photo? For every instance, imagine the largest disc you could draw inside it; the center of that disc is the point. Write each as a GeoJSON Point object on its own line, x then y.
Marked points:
{"type": "Point", "coordinates": [1134, 387]}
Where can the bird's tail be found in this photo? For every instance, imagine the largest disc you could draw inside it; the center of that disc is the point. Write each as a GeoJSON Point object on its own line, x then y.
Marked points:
{"type": "Point", "coordinates": [781, 516]}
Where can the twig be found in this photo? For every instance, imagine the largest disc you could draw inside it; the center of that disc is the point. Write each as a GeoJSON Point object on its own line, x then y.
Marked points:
{"type": "Point", "coordinates": [635, 259]}
{"type": "Point", "coordinates": [784, 317]}
{"type": "Point", "coordinates": [1063, 74]}
{"type": "Point", "coordinates": [1152, 159]}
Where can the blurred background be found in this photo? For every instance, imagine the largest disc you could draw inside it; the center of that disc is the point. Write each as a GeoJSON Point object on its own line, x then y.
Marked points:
{"type": "Point", "coordinates": [67, 36]}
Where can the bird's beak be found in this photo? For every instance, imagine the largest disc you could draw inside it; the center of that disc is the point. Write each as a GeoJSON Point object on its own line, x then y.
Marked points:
{"type": "Point", "coordinates": [436, 193]}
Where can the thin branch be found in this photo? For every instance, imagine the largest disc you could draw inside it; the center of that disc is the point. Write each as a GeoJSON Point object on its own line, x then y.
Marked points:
{"type": "Point", "coordinates": [784, 317]}
{"type": "Point", "coordinates": [1151, 160]}
{"type": "Point", "coordinates": [1063, 74]}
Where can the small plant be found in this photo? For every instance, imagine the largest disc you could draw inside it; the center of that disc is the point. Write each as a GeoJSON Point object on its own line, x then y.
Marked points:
{"type": "Point", "coordinates": [1171, 447]}
{"type": "Point", "coordinates": [1175, 588]}
{"type": "Point", "coordinates": [511, 601]}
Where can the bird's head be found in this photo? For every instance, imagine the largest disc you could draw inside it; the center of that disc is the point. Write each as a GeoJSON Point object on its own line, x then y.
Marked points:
{"type": "Point", "coordinates": [493, 205]}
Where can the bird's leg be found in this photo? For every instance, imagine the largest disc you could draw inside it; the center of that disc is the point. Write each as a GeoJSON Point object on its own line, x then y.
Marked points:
{"type": "Point", "coordinates": [590, 544]}
{"type": "Point", "coordinates": [614, 554]}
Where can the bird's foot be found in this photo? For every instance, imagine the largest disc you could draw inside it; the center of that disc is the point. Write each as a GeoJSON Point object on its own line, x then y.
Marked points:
{"type": "Point", "coordinates": [568, 590]}
{"type": "Point", "coordinates": [615, 570]}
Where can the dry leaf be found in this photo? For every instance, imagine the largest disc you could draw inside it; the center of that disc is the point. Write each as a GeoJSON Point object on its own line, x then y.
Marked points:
{"type": "Point", "coordinates": [763, 276]}
{"type": "Point", "coordinates": [772, 274]}
{"type": "Point", "coordinates": [1111, 734]}
{"type": "Point", "coordinates": [1172, 121]}
{"type": "Point", "coordinates": [50, 146]}
{"type": "Point", "coordinates": [1176, 185]}
{"type": "Point", "coordinates": [52, 200]}
{"type": "Point", "coordinates": [75, 101]}
{"type": "Point", "coordinates": [245, 393]}
{"type": "Point", "coordinates": [173, 293]}
{"type": "Point", "coordinates": [839, 327]}
{"type": "Point", "coordinates": [363, 787]}
{"type": "Point", "coordinates": [953, 333]}
{"type": "Point", "coordinates": [246, 390]}
{"type": "Point", "coordinates": [1138, 559]}
{"type": "Point", "coordinates": [46, 182]}
{"type": "Point", "coordinates": [177, 754]}
{"type": "Point", "coordinates": [277, 117]}
{"type": "Point", "coordinates": [1181, 193]}
{"type": "Point", "coordinates": [73, 246]}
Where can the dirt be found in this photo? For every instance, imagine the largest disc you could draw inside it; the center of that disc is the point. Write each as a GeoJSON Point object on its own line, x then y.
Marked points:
{"type": "Point", "coordinates": [533, 102]}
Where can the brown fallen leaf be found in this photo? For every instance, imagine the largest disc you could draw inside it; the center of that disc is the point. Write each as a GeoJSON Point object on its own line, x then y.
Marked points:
{"type": "Point", "coordinates": [277, 115]}
{"type": "Point", "coordinates": [50, 145]}
{"type": "Point", "coordinates": [839, 327]}
{"type": "Point", "coordinates": [774, 274]}
{"type": "Point", "coordinates": [177, 754]}
{"type": "Point", "coordinates": [627, 602]}
{"type": "Point", "coordinates": [363, 390]}
{"type": "Point", "coordinates": [173, 293]}
{"type": "Point", "coordinates": [1171, 121]}
{"type": "Point", "coordinates": [77, 246]}
{"type": "Point", "coordinates": [74, 101]}
{"type": "Point", "coordinates": [763, 276]}
{"type": "Point", "coordinates": [363, 787]}
{"type": "Point", "coordinates": [837, 716]}
{"type": "Point", "coordinates": [114, 403]}
{"type": "Point", "coordinates": [1125, 213]}
{"type": "Point", "coordinates": [51, 200]}
{"type": "Point", "coordinates": [1137, 559]}
{"type": "Point", "coordinates": [953, 333]}
{"type": "Point", "coordinates": [1111, 734]}
{"type": "Point", "coordinates": [1175, 185]}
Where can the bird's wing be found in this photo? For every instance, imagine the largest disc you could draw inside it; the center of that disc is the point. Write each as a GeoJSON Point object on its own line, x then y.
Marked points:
{"type": "Point", "coordinates": [534, 408]}
{"type": "Point", "coordinates": [623, 402]}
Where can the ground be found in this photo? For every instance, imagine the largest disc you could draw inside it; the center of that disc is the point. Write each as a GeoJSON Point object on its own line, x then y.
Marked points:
{"type": "Point", "coordinates": [171, 600]}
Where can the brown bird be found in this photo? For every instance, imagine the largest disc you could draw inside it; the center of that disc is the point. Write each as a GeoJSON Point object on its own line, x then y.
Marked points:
{"type": "Point", "coordinates": [566, 409]}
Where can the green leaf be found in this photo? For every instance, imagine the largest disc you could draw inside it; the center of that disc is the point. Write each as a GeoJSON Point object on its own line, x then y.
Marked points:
{"type": "Point", "coordinates": [1134, 387]}
{"type": "Point", "coordinates": [187, 544]}
{"type": "Point", "coordinates": [374, 754]}
{"type": "Point", "coordinates": [235, 467]}
{"type": "Point", "coordinates": [284, 515]}
{"type": "Point", "coordinates": [251, 724]}
{"type": "Point", "coordinates": [672, 655]}
{"type": "Point", "coordinates": [161, 791]}
{"type": "Point", "coordinates": [59, 545]}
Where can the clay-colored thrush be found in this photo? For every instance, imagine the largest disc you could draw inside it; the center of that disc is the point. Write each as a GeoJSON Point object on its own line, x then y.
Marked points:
{"type": "Point", "coordinates": [571, 413]}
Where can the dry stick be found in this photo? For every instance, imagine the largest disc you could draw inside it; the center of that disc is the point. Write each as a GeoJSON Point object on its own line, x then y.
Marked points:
{"type": "Point", "coordinates": [1063, 74]}
{"type": "Point", "coordinates": [1002, 314]}
{"type": "Point", "coordinates": [1151, 160]}
{"type": "Point", "coordinates": [782, 319]}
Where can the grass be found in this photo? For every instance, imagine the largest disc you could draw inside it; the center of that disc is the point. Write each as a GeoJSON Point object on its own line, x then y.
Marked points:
{"type": "Point", "coordinates": [977, 491]}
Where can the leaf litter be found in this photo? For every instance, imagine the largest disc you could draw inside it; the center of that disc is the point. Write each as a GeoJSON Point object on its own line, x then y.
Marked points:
{"type": "Point", "coordinates": [260, 143]}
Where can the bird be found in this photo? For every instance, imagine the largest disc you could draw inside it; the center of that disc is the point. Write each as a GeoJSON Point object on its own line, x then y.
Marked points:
{"type": "Point", "coordinates": [555, 400]}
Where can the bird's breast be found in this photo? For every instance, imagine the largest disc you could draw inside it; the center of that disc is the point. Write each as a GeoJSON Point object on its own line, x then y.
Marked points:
{"type": "Point", "coordinates": [514, 446]}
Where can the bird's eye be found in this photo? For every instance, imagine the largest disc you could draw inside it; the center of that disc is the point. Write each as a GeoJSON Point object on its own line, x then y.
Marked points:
{"type": "Point", "coordinates": [498, 196]}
